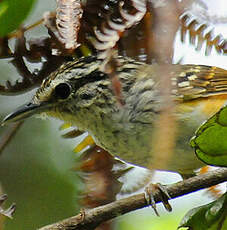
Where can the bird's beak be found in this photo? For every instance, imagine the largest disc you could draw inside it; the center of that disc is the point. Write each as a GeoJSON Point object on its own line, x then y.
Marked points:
{"type": "Point", "coordinates": [25, 111]}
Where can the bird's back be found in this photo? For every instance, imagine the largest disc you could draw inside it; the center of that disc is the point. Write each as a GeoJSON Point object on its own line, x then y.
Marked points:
{"type": "Point", "coordinates": [197, 92]}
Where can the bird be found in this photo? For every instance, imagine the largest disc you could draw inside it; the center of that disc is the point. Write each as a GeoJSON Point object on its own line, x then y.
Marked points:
{"type": "Point", "coordinates": [81, 93]}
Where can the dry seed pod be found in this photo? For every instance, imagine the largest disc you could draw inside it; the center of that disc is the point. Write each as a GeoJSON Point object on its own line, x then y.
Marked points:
{"type": "Point", "coordinates": [68, 15]}
{"type": "Point", "coordinates": [202, 32]}
{"type": "Point", "coordinates": [111, 30]}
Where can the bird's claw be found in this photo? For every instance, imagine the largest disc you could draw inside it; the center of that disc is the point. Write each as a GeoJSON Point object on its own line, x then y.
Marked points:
{"type": "Point", "coordinates": [150, 192]}
{"type": "Point", "coordinates": [9, 212]}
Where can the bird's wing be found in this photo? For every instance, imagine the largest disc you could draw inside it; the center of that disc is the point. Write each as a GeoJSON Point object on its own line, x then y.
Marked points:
{"type": "Point", "coordinates": [198, 81]}
{"type": "Point", "coordinates": [199, 88]}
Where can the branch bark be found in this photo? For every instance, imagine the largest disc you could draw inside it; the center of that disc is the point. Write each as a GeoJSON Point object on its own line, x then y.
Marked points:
{"type": "Point", "coordinates": [90, 219]}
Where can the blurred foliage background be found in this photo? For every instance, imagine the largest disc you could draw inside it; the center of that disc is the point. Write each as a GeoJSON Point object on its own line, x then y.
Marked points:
{"type": "Point", "coordinates": [36, 167]}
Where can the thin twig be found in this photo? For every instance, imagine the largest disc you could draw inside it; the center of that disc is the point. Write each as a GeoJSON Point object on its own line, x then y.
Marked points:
{"type": "Point", "coordinates": [164, 138]}
{"type": "Point", "coordinates": [90, 219]}
{"type": "Point", "coordinates": [17, 33]}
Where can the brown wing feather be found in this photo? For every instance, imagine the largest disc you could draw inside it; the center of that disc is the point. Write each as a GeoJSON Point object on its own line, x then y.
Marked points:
{"type": "Point", "coordinates": [197, 81]}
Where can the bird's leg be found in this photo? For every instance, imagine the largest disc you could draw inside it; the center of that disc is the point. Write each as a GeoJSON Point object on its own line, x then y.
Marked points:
{"type": "Point", "coordinates": [150, 192]}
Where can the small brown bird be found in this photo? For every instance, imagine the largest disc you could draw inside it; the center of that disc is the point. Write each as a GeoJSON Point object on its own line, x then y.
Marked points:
{"type": "Point", "coordinates": [81, 94]}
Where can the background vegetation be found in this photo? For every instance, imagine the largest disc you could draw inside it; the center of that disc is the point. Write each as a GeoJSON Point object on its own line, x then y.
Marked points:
{"type": "Point", "coordinates": [36, 167]}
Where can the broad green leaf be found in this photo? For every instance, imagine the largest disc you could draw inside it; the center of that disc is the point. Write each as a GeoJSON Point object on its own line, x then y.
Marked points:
{"type": "Point", "coordinates": [212, 216]}
{"type": "Point", "coordinates": [210, 140]}
{"type": "Point", "coordinates": [12, 14]}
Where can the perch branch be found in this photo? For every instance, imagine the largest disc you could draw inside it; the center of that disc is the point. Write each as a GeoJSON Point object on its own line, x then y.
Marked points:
{"type": "Point", "coordinates": [90, 219]}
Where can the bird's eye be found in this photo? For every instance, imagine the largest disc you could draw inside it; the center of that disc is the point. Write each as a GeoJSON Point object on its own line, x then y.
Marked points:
{"type": "Point", "coordinates": [62, 90]}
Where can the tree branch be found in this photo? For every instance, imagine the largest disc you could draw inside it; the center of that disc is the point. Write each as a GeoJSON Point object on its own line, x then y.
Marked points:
{"type": "Point", "coordinates": [90, 219]}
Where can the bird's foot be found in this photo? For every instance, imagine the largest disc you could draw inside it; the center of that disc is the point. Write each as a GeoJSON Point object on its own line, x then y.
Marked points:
{"type": "Point", "coordinates": [150, 192]}
{"type": "Point", "coordinates": [9, 212]}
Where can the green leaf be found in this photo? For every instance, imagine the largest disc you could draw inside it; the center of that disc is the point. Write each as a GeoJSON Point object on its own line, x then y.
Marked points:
{"type": "Point", "coordinates": [12, 14]}
{"type": "Point", "coordinates": [210, 140]}
{"type": "Point", "coordinates": [212, 216]}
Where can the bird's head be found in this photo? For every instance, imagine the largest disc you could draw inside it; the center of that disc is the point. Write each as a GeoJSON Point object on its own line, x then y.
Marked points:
{"type": "Point", "coordinates": [74, 86]}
